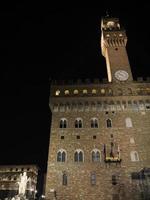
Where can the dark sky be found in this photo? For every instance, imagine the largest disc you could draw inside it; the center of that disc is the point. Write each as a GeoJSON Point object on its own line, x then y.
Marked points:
{"type": "Point", "coordinates": [38, 42]}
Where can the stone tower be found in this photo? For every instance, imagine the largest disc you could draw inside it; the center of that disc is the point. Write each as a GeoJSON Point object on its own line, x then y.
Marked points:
{"type": "Point", "coordinates": [99, 140]}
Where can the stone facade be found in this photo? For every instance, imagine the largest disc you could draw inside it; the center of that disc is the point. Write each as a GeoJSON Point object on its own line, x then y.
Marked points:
{"type": "Point", "coordinates": [99, 140]}
{"type": "Point", "coordinates": [10, 176]}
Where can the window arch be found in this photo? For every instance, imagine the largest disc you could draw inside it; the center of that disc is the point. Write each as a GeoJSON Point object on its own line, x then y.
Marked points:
{"type": "Point", "coordinates": [128, 122]}
{"type": "Point", "coordinates": [109, 123]}
{"type": "Point", "coordinates": [96, 155]}
{"type": "Point", "coordinates": [64, 179]}
{"type": "Point", "coordinates": [61, 155]}
{"type": "Point", "coordinates": [78, 155]}
{"type": "Point", "coordinates": [94, 123]}
{"type": "Point", "coordinates": [134, 156]}
{"type": "Point", "coordinates": [78, 123]}
{"type": "Point", "coordinates": [63, 123]}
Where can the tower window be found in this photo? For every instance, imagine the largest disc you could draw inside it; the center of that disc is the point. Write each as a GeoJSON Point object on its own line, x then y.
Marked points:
{"type": "Point", "coordinates": [109, 123]}
{"type": "Point", "coordinates": [94, 136]}
{"type": "Point", "coordinates": [78, 156]}
{"type": "Point", "coordinates": [93, 178]}
{"type": "Point", "coordinates": [96, 157]}
{"type": "Point", "coordinates": [78, 123]}
{"type": "Point", "coordinates": [78, 137]}
{"type": "Point", "coordinates": [63, 123]}
{"type": "Point", "coordinates": [128, 122]}
{"type": "Point", "coordinates": [64, 179]}
{"type": "Point", "coordinates": [94, 123]}
{"type": "Point", "coordinates": [134, 156]}
{"type": "Point", "coordinates": [61, 156]}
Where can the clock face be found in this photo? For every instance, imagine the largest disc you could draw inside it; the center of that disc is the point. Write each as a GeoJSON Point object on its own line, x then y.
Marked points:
{"type": "Point", "coordinates": [121, 75]}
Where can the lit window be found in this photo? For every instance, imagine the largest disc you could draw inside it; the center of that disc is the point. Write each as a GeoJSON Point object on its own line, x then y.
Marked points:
{"type": "Point", "coordinates": [93, 178]}
{"type": "Point", "coordinates": [57, 93]}
{"type": "Point", "coordinates": [75, 91]}
{"type": "Point", "coordinates": [96, 156]}
{"type": "Point", "coordinates": [64, 179]}
{"type": "Point", "coordinates": [94, 123]}
{"type": "Point", "coordinates": [134, 156]}
{"type": "Point", "coordinates": [78, 156]}
{"type": "Point", "coordinates": [85, 91]}
{"type": "Point", "coordinates": [78, 123]}
{"type": "Point", "coordinates": [63, 123]}
{"type": "Point", "coordinates": [93, 91]}
{"type": "Point", "coordinates": [120, 35]}
{"type": "Point", "coordinates": [102, 91]}
{"type": "Point", "coordinates": [109, 123]}
{"type": "Point", "coordinates": [66, 92]}
{"type": "Point", "coordinates": [61, 156]}
{"type": "Point", "coordinates": [128, 122]}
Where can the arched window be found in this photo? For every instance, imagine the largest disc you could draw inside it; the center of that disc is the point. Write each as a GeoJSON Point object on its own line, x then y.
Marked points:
{"type": "Point", "coordinates": [64, 179]}
{"type": "Point", "coordinates": [94, 123]}
{"type": "Point", "coordinates": [109, 123]}
{"type": "Point", "coordinates": [96, 156]}
{"type": "Point", "coordinates": [93, 178]}
{"type": "Point", "coordinates": [103, 91]}
{"type": "Point", "coordinates": [85, 91]}
{"type": "Point", "coordinates": [134, 156]}
{"type": "Point", "coordinates": [78, 123]}
{"type": "Point", "coordinates": [57, 92]}
{"type": "Point", "coordinates": [63, 123]}
{"type": "Point", "coordinates": [66, 92]}
{"type": "Point", "coordinates": [128, 122]}
{"type": "Point", "coordinates": [75, 91]}
{"type": "Point", "coordinates": [78, 156]}
{"type": "Point", "coordinates": [61, 156]}
{"type": "Point", "coordinates": [93, 91]}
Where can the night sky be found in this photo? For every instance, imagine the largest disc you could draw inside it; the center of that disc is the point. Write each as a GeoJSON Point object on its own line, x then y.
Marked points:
{"type": "Point", "coordinates": [40, 42]}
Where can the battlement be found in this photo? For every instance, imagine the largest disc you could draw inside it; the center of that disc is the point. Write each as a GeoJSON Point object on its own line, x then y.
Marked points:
{"type": "Point", "coordinates": [94, 81]}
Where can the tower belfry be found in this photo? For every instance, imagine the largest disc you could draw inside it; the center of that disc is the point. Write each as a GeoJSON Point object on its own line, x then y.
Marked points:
{"type": "Point", "coordinates": [113, 46]}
